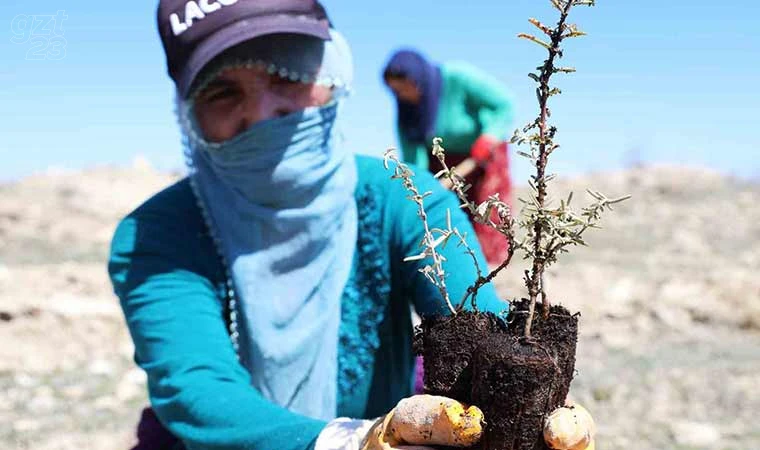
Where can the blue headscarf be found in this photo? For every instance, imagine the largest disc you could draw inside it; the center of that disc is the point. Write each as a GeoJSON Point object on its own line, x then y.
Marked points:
{"type": "Point", "coordinates": [417, 122]}
{"type": "Point", "coordinates": [279, 201]}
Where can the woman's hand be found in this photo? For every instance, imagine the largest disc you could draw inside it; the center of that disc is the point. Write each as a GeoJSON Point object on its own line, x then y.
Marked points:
{"type": "Point", "coordinates": [422, 421]}
{"type": "Point", "coordinates": [480, 154]}
{"type": "Point", "coordinates": [570, 428]}
{"type": "Point", "coordinates": [425, 420]}
{"type": "Point", "coordinates": [482, 148]}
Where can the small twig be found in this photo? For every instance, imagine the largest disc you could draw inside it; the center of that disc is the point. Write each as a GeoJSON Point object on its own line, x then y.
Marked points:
{"type": "Point", "coordinates": [482, 214]}
{"type": "Point", "coordinates": [433, 272]}
{"type": "Point", "coordinates": [482, 281]}
{"type": "Point", "coordinates": [544, 300]}
{"type": "Point", "coordinates": [469, 251]}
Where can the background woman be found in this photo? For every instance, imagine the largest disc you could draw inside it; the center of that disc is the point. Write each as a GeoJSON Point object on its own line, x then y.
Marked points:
{"type": "Point", "coordinates": [470, 110]}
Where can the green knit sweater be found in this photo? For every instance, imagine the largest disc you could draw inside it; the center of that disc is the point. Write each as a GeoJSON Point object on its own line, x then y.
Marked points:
{"type": "Point", "coordinates": [472, 104]}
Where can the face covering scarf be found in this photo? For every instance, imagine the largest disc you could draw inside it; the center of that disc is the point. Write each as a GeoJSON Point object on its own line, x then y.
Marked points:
{"type": "Point", "coordinates": [279, 200]}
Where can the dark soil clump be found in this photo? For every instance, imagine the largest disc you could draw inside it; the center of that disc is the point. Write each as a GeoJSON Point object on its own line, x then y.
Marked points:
{"type": "Point", "coordinates": [478, 359]}
{"type": "Point", "coordinates": [447, 345]}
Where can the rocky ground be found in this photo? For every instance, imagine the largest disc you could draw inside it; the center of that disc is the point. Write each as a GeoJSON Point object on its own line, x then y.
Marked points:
{"type": "Point", "coordinates": [669, 355]}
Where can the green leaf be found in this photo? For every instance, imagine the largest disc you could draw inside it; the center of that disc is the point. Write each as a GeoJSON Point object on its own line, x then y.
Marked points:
{"type": "Point", "coordinates": [524, 154]}
{"type": "Point", "coordinates": [532, 38]}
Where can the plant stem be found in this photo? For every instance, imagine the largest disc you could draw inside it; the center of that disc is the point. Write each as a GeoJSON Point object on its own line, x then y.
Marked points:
{"type": "Point", "coordinates": [439, 274]}
{"type": "Point", "coordinates": [503, 226]}
{"type": "Point", "coordinates": [535, 288]}
{"type": "Point", "coordinates": [481, 281]}
{"type": "Point", "coordinates": [433, 272]}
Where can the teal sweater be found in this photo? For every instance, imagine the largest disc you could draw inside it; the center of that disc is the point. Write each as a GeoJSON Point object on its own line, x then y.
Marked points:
{"type": "Point", "coordinates": [472, 104]}
{"type": "Point", "coordinates": [171, 284]}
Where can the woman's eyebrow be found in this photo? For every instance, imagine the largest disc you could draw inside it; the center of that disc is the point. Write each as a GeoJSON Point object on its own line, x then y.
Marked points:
{"type": "Point", "coordinates": [219, 83]}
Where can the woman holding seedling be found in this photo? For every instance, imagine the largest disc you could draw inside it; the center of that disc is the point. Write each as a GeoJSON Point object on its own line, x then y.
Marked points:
{"type": "Point", "coordinates": [470, 111]}
{"type": "Point", "coordinates": [266, 293]}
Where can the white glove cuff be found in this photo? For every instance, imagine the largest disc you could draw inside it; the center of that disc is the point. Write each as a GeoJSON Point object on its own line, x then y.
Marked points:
{"type": "Point", "coordinates": [343, 434]}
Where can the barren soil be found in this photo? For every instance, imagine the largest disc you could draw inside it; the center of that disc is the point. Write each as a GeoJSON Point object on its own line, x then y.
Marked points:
{"type": "Point", "coordinates": [669, 351]}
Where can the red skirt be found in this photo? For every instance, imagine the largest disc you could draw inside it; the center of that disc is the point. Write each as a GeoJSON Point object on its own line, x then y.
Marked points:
{"type": "Point", "coordinates": [488, 180]}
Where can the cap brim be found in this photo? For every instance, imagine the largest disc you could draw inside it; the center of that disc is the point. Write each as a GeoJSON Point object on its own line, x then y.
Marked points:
{"type": "Point", "coordinates": [240, 32]}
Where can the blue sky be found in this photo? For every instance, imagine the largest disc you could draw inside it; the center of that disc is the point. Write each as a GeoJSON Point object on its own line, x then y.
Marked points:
{"type": "Point", "coordinates": [659, 81]}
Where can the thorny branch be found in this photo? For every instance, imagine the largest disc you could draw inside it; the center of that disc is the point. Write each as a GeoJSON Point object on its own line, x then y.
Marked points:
{"type": "Point", "coordinates": [545, 135]}
{"type": "Point", "coordinates": [550, 230]}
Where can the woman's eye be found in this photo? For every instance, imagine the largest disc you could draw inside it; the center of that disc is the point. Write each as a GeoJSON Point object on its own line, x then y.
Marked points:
{"type": "Point", "coordinates": [216, 94]}
{"type": "Point", "coordinates": [219, 94]}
